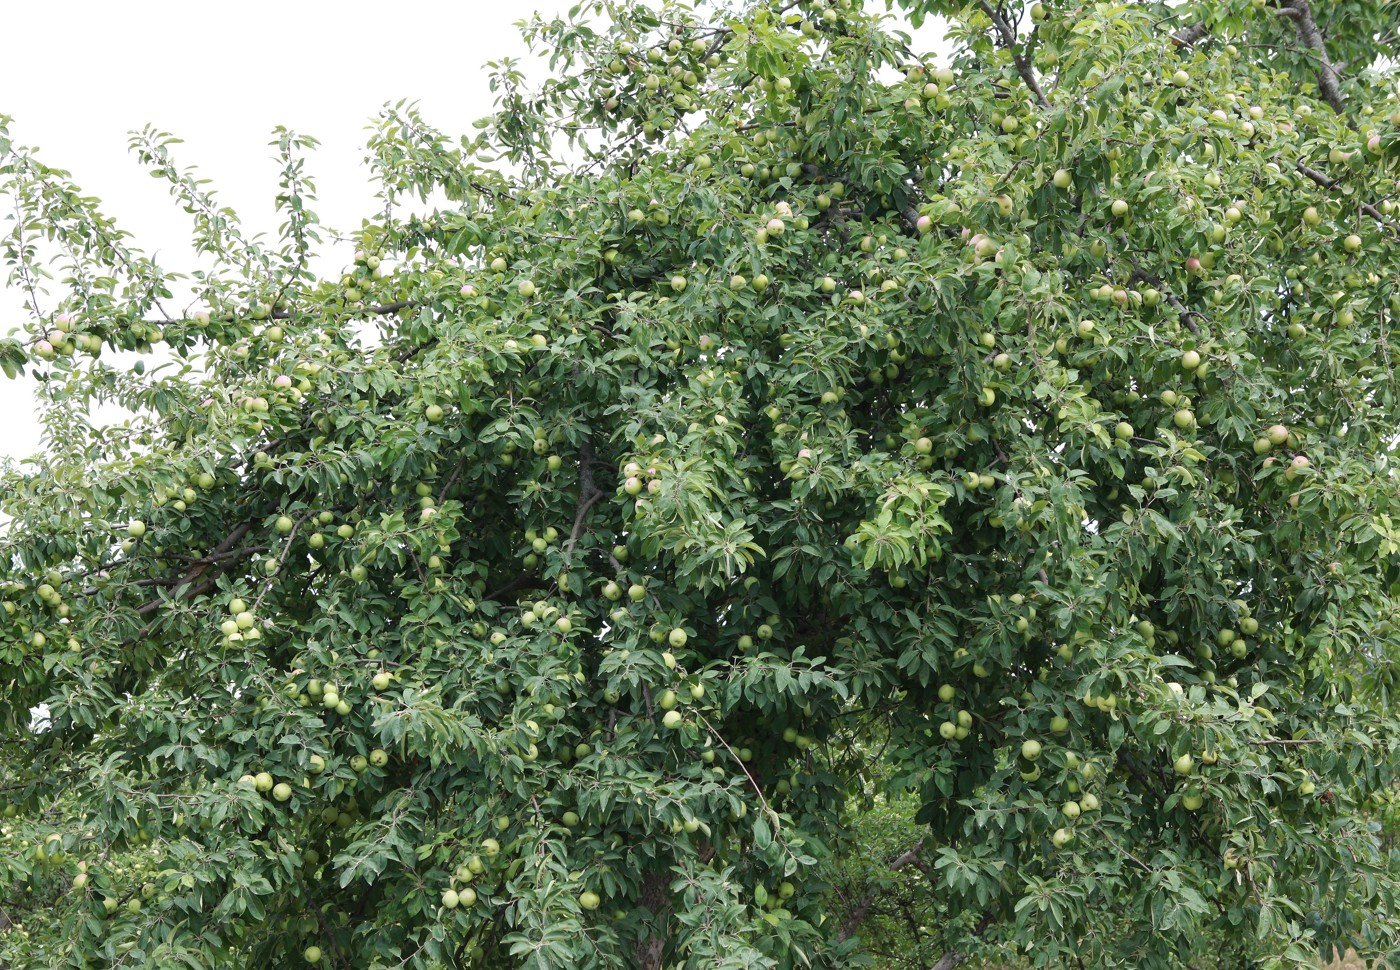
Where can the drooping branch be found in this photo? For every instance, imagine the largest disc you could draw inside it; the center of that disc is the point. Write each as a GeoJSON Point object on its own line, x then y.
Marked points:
{"type": "Point", "coordinates": [1008, 41]}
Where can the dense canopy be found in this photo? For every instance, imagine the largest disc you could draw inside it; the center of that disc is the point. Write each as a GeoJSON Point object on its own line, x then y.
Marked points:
{"type": "Point", "coordinates": [754, 423]}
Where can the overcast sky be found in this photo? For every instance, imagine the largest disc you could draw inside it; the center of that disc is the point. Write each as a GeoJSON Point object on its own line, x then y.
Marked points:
{"type": "Point", "coordinates": [83, 73]}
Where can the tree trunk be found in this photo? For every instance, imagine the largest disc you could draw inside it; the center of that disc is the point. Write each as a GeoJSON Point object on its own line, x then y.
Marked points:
{"type": "Point", "coordinates": [656, 898]}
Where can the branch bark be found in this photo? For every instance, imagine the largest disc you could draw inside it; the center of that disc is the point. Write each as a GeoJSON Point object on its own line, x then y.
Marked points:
{"type": "Point", "coordinates": [1310, 35]}
{"type": "Point", "coordinates": [862, 908]}
{"type": "Point", "coordinates": [1188, 36]}
{"type": "Point", "coordinates": [1327, 182]}
{"type": "Point", "coordinates": [186, 585]}
{"type": "Point", "coordinates": [1008, 40]}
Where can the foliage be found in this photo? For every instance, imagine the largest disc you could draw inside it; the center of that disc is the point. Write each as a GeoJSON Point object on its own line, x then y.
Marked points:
{"type": "Point", "coordinates": [752, 409]}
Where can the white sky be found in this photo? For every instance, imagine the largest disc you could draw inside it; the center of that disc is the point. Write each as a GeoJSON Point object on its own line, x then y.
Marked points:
{"type": "Point", "coordinates": [84, 73]}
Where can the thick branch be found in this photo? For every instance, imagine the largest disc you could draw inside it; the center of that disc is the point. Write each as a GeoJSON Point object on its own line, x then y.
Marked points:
{"type": "Point", "coordinates": [862, 908]}
{"type": "Point", "coordinates": [1008, 40]}
{"type": "Point", "coordinates": [184, 586]}
{"type": "Point", "coordinates": [1189, 35]}
{"type": "Point", "coordinates": [1330, 183]}
{"type": "Point", "coordinates": [1328, 80]}
{"type": "Point", "coordinates": [588, 494]}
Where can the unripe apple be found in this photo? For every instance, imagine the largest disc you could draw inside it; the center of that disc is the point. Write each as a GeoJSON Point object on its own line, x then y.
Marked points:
{"type": "Point", "coordinates": [1184, 765]}
{"type": "Point", "coordinates": [672, 719]}
{"type": "Point", "coordinates": [589, 900]}
{"type": "Point", "coordinates": [1030, 750]}
{"type": "Point", "coordinates": [1119, 208]}
{"type": "Point", "coordinates": [136, 528]}
{"type": "Point", "coordinates": [312, 954]}
{"type": "Point", "coordinates": [1062, 179]}
{"type": "Point", "coordinates": [677, 638]}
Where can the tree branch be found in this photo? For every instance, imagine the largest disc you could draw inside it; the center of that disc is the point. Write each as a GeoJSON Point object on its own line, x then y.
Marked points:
{"type": "Point", "coordinates": [1327, 182]}
{"type": "Point", "coordinates": [1328, 79]}
{"type": "Point", "coordinates": [1008, 40]}
{"type": "Point", "coordinates": [862, 908]}
{"type": "Point", "coordinates": [588, 494]}
{"type": "Point", "coordinates": [1189, 35]}
{"type": "Point", "coordinates": [183, 586]}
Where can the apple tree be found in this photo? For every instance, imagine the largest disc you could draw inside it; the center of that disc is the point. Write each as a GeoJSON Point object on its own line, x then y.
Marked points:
{"type": "Point", "coordinates": [753, 417]}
